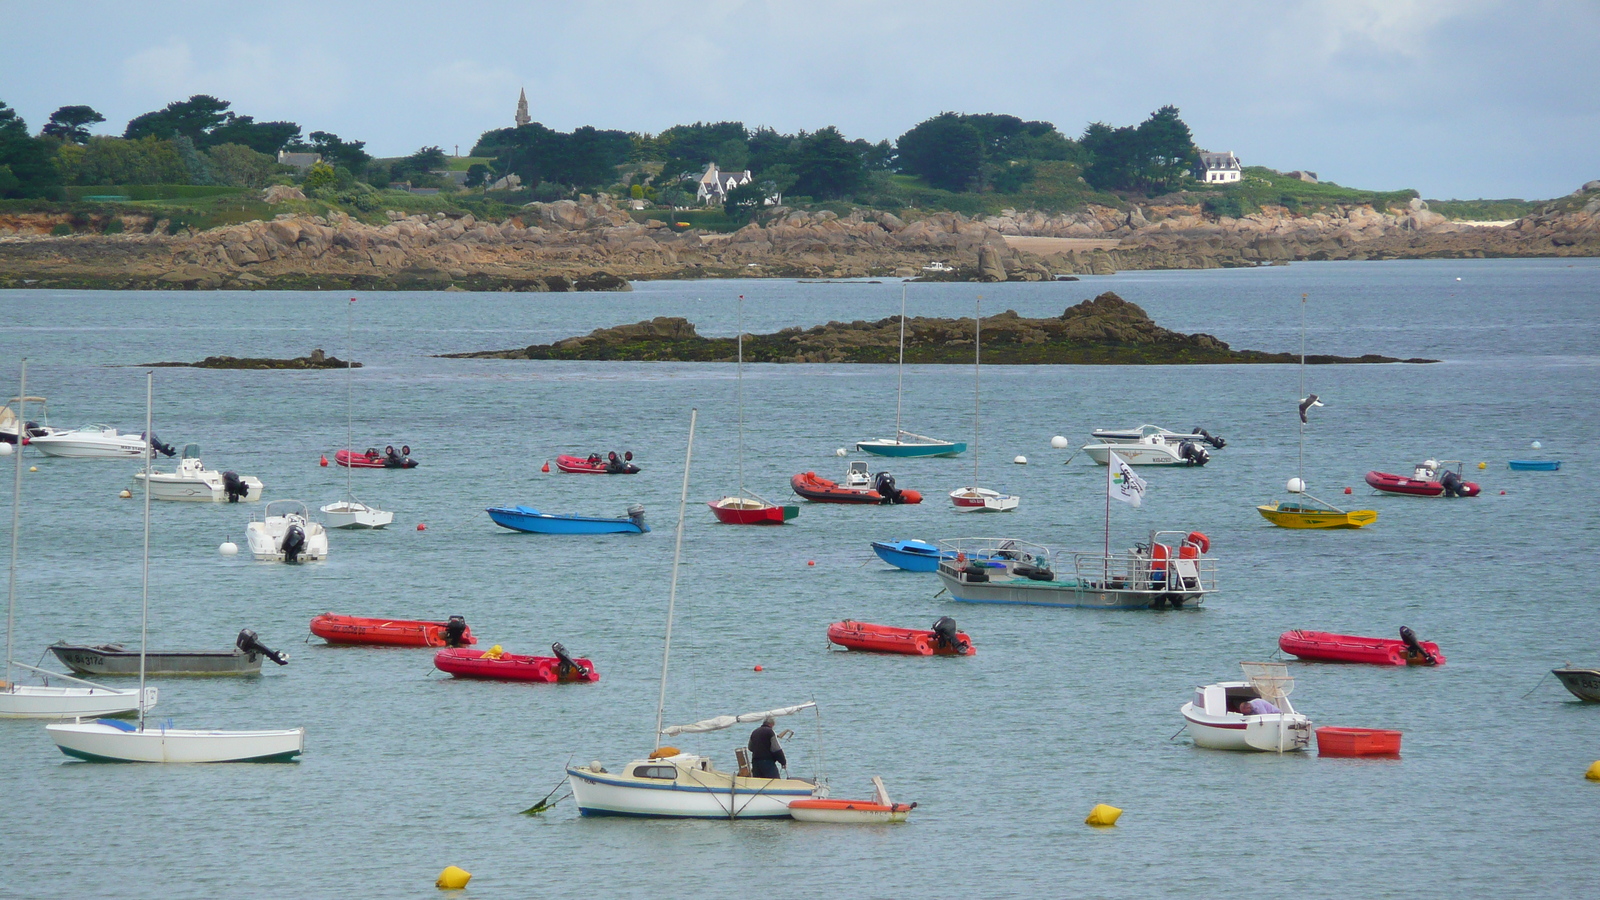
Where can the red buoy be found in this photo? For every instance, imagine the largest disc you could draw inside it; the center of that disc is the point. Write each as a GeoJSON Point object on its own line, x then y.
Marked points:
{"type": "Point", "coordinates": [323, 462]}
{"type": "Point", "coordinates": [1347, 490]}
{"type": "Point", "coordinates": [758, 668]}
{"type": "Point", "coordinates": [421, 527]}
{"type": "Point", "coordinates": [545, 467]}
{"type": "Point", "coordinates": [811, 562]}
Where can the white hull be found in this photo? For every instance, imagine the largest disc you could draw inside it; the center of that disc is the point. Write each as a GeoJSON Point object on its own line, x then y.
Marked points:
{"type": "Point", "coordinates": [1136, 454]}
{"type": "Point", "coordinates": [203, 490]}
{"type": "Point", "coordinates": [850, 816]}
{"type": "Point", "coordinates": [976, 499]}
{"type": "Point", "coordinates": [614, 794]}
{"type": "Point", "coordinates": [355, 514]}
{"type": "Point", "coordinates": [87, 444]}
{"type": "Point", "coordinates": [106, 742]}
{"type": "Point", "coordinates": [1271, 733]}
{"type": "Point", "coordinates": [265, 536]}
{"type": "Point", "coordinates": [28, 701]}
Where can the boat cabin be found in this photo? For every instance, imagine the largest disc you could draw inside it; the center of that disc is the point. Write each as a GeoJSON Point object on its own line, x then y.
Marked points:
{"type": "Point", "coordinates": [1223, 698]}
{"type": "Point", "coordinates": [857, 476]}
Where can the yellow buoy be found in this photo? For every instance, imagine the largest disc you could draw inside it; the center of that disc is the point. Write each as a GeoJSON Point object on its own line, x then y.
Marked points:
{"type": "Point", "coordinates": [33, 468]}
{"type": "Point", "coordinates": [453, 878]}
{"type": "Point", "coordinates": [1483, 465]}
{"type": "Point", "coordinates": [1594, 771]}
{"type": "Point", "coordinates": [125, 494]}
{"type": "Point", "coordinates": [1103, 815]}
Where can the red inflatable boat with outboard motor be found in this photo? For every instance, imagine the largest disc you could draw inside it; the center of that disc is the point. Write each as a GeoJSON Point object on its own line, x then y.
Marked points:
{"type": "Point", "coordinates": [941, 640]}
{"type": "Point", "coordinates": [1325, 647]}
{"type": "Point", "coordinates": [817, 489]}
{"type": "Point", "coordinates": [337, 629]}
{"type": "Point", "coordinates": [1430, 478]}
{"type": "Point", "coordinates": [372, 459]}
{"type": "Point", "coordinates": [497, 665]}
{"type": "Point", "coordinates": [595, 464]}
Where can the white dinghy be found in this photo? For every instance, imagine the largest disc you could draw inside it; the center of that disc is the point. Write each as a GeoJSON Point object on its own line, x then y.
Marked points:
{"type": "Point", "coordinates": [111, 741]}
{"type": "Point", "coordinates": [350, 512]}
{"type": "Point", "coordinates": [77, 699]}
{"type": "Point", "coordinates": [1215, 721]}
{"type": "Point", "coordinates": [973, 498]}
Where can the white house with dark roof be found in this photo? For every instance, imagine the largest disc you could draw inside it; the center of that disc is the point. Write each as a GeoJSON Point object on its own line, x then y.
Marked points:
{"type": "Point", "coordinates": [1218, 168]}
{"type": "Point", "coordinates": [715, 184]}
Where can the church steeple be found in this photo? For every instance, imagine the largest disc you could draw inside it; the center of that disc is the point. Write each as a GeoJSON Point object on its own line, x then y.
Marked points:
{"type": "Point", "coordinates": [522, 109]}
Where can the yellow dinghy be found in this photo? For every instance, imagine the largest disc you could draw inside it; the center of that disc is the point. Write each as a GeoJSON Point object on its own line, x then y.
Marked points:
{"type": "Point", "coordinates": [1295, 514]}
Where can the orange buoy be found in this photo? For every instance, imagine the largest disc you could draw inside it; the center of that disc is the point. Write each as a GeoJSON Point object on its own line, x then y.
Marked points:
{"type": "Point", "coordinates": [811, 562]}
{"type": "Point", "coordinates": [323, 462]}
{"type": "Point", "coordinates": [545, 467]}
{"type": "Point", "coordinates": [758, 668]}
{"type": "Point", "coordinates": [421, 527]}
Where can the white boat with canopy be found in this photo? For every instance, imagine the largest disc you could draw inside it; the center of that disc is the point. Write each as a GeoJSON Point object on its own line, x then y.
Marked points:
{"type": "Point", "coordinates": [285, 533]}
{"type": "Point", "coordinates": [77, 697]}
{"type": "Point", "coordinates": [672, 784]}
{"type": "Point", "coordinates": [1216, 721]}
{"type": "Point", "coordinates": [107, 740]}
{"type": "Point", "coordinates": [350, 512]}
{"type": "Point", "coordinates": [97, 442]}
{"type": "Point", "coordinates": [11, 418]}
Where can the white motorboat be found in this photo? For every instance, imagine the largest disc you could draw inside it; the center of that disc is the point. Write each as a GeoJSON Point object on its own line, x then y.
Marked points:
{"type": "Point", "coordinates": [285, 533]}
{"type": "Point", "coordinates": [973, 498]}
{"type": "Point", "coordinates": [1132, 435]}
{"type": "Point", "coordinates": [116, 741]}
{"type": "Point", "coordinates": [193, 481]}
{"type": "Point", "coordinates": [16, 411]}
{"type": "Point", "coordinates": [1215, 721]}
{"type": "Point", "coordinates": [1151, 450]}
{"type": "Point", "coordinates": [77, 698]}
{"type": "Point", "coordinates": [1171, 569]}
{"type": "Point", "coordinates": [350, 512]}
{"type": "Point", "coordinates": [107, 740]}
{"type": "Point", "coordinates": [672, 784]}
{"type": "Point", "coordinates": [96, 442]}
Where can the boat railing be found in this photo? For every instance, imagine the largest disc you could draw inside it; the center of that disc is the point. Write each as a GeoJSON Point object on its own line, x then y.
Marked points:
{"type": "Point", "coordinates": [286, 508]}
{"type": "Point", "coordinates": [1139, 571]}
{"type": "Point", "coordinates": [1007, 552]}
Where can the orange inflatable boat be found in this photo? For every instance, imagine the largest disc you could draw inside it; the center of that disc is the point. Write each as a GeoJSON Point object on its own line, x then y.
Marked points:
{"type": "Point", "coordinates": [942, 640]}
{"type": "Point", "coordinates": [338, 629]}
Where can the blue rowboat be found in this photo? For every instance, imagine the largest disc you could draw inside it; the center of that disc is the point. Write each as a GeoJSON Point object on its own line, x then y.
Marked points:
{"type": "Point", "coordinates": [1535, 465]}
{"type": "Point", "coordinates": [523, 518]}
{"type": "Point", "coordinates": [911, 446]}
{"type": "Point", "coordinates": [913, 556]}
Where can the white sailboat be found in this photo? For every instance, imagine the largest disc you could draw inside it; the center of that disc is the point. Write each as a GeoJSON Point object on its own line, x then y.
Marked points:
{"type": "Point", "coordinates": [905, 444]}
{"type": "Point", "coordinates": [48, 701]}
{"type": "Point", "coordinates": [112, 741]}
{"type": "Point", "coordinates": [672, 784]}
{"type": "Point", "coordinates": [748, 508]}
{"type": "Point", "coordinates": [973, 498]}
{"type": "Point", "coordinates": [350, 512]}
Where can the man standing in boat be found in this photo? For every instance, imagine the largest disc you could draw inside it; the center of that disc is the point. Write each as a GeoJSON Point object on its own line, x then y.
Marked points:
{"type": "Point", "coordinates": [765, 752]}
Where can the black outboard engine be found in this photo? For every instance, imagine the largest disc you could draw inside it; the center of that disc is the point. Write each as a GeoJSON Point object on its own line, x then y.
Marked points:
{"type": "Point", "coordinates": [1416, 654]}
{"type": "Point", "coordinates": [1214, 440]}
{"type": "Point", "coordinates": [883, 483]}
{"type": "Point", "coordinates": [1193, 453]}
{"type": "Point", "coordinates": [391, 458]}
{"type": "Point", "coordinates": [1451, 482]}
{"type": "Point", "coordinates": [161, 447]}
{"type": "Point", "coordinates": [34, 429]}
{"type": "Point", "coordinates": [294, 543]}
{"type": "Point", "coordinates": [945, 634]}
{"type": "Point", "coordinates": [234, 487]}
{"type": "Point", "coordinates": [247, 642]}
{"type": "Point", "coordinates": [636, 514]}
{"type": "Point", "coordinates": [455, 631]}
{"type": "Point", "coordinates": [568, 666]}
{"type": "Point", "coordinates": [613, 463]}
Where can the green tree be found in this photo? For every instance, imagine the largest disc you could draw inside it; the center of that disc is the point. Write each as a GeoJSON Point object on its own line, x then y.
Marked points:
{"type": "Point", "coordinates": [826, 166]}
{"type": "Point", "coordinates": [477, 175]}
{"type": "Point", "coordinates": [743, 202]}
{"type": "Point", "coordinates": [1167, 150]}
{"type": "Point", "coordinates": [350, 154]}
{"type": "Point", "coordinates": [109, 160]}
{"type": "Point", "coordinates": [945, 151]}
{"type": "Point", "coordinates": [193, 118]}
{"type": "Point", "coordinates": [196, 167]}
{"type": "Point", "coordinates": [240, 166]}
{"type": "Point", "coordinates": [25, 159]}
{"type": "Point", "coordinates": [321, 177]}
{"type": "Point", "coordinates": [71, 124]}
{"type": "Point", "coordinates": [262, 137]}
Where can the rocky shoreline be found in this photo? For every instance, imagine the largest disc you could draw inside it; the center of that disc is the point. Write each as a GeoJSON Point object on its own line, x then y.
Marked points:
{"type": "Point", "coordinates": [591, 245]}
{"type": "Point", "coordinates": [317, 360]}
{"type": "Point", "coordinates": [1107, 330]}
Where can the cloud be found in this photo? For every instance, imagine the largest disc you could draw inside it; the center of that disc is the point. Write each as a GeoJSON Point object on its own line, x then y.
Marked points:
{"type": "Point", "coordinates": [259, 79]}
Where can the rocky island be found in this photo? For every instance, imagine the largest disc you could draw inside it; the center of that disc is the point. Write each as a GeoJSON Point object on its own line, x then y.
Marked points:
{"type": "Point", "coordinates": [317, 360]}
{"type": "Point", "coordinates": [1107, 330]}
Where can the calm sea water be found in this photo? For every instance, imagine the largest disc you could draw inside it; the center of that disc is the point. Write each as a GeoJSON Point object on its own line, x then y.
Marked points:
{"type": "Point", "coordinates": [406, 772]}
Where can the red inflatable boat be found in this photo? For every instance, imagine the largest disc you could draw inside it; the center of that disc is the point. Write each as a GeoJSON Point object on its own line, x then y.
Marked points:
{"type": "Point", "coordinates": [942, 640]}
{"type": "Point", "coordinates": [497, 665]}
{"type": "Point", "coordinates": [1429, 479]}
{"type": "Point", "coordinates": [372, 459]}
{"type": "Point", "coordinates": [1326, 647]}
{"type": "Point", "coordinates": [337, 629]}
{"type": "Point", "coordinates": [595, 464]}
{"type": "Point", "coordinates": [814, 487]}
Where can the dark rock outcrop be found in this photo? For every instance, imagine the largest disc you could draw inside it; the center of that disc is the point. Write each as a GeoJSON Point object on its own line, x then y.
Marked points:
{"type": "Point", "coordinates": [317, 360]}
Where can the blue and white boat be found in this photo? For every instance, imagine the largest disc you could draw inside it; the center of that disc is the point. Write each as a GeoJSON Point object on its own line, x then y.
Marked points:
{"type": "Point", "coordinates": [911, 555]}
{"type": "Point", "coordinates": [1534, 465]}
{"type": "Point", "coordinates": [523, 518]}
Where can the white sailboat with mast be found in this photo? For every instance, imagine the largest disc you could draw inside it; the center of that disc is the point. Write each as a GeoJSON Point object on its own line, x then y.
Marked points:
{"type": "Point", "coordinates": [110, 740]}
{"type": "Point", "coordinates": [670, 783]}
{"type": "Point", "coordinates": [350, 512]}
{"type": "Point", "coordinates": [905, 444]}
{"type": "Point", "coordinates": [973, 498]}
{"type": "Point", "coordinates": [49, 701]}
{"type": "Point", "coordinates": [748, 508]}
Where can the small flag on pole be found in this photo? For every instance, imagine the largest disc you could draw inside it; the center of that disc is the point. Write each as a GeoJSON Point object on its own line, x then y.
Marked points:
{"type": "Point", "coordinates": [1122, 483]}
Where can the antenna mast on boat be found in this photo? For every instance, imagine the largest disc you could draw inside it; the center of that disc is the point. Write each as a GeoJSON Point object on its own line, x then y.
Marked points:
{"type": "Point", "coordinates": [349, 401]}
{"type": "Point", "coordinates": [740, 390]}
{"type": "Point", "coordinates": [977, 391]}
{"type": "Point", "coordinates": [16, 516]}
{"type": "Point", "coordinates": [672, 594]}
{"type": "Point", "coordinates": [1300, 472]}
{"type": "Point", "coordinates": [900, 376]}
{"type": "Point", "coordinates": [144, 604]}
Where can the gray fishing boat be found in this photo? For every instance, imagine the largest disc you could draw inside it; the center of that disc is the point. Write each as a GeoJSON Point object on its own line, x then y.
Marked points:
{"type": "Point", "coordinates": [1583, 683]}
{"type": "Point", "coordinates": [1171, 569]}
{"type": "Point", "coordinates": [114, 659]}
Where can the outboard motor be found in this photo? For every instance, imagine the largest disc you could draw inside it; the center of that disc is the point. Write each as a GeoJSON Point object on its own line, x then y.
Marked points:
{"type": "Point", "coordinates": [636, 515]}
{"type": "Point", "coordinates": [455, 631]}
{"type": "Point", "coordinates": [161, 447]}
{"type": "Point", "coordinates": [1416, 654]}
{"type": "Point", "coordinates": [945, 635]}
{"type": "Point", "coordinates": [568, 667]}
{"type": "Point", "coordinates": [34, 429]}
{"type": "Point", "coordinates": [613, 463]}
{"type": "Point", "coordinates": [294, 543]}
{"type": "Point", "coordinates": [234, 487]}
{"type": "Point", "coordinates": [1214, 440]}
{"type": "Point", "coordinates": [883, 483]}
{"type": "Point", "coordinates": [1451, 482]}
{"type": "Point", "coordinates": [247, 642]}
{"type": "Point", "coordinates": [1193, 453]}
{"type": "Point", "coordinates": [391, 458]}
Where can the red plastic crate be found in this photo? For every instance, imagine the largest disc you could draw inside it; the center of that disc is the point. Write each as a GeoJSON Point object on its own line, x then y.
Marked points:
{"type": "Point", "coordinates": [1357, 742]}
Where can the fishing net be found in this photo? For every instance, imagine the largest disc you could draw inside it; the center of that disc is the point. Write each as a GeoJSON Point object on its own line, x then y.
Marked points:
{"type": "Point", "coordinates": [1270, 679]}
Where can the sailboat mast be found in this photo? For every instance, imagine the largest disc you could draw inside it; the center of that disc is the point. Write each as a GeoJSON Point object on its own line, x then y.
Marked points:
{"type": "Point", "coordinates": [900, 377]}
{"type": "Point", "coordinates": [144, 588]}
{"type": "Point", "coordinates": [672, 594]}
{"type": "Point", "coordinates": [1300, 468]}
{"type": "Point", "coordinates": [977, 391]}
{"type": "Point", "coordinates": [16, 516]}
{"type": "Point", "coordinates": [349, 399]}
{"type": "Point", "coordinates": [740, 390]}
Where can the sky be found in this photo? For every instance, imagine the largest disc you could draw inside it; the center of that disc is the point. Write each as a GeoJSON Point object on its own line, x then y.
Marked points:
{"type": "Point", "coordinates": [1455, 98]}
